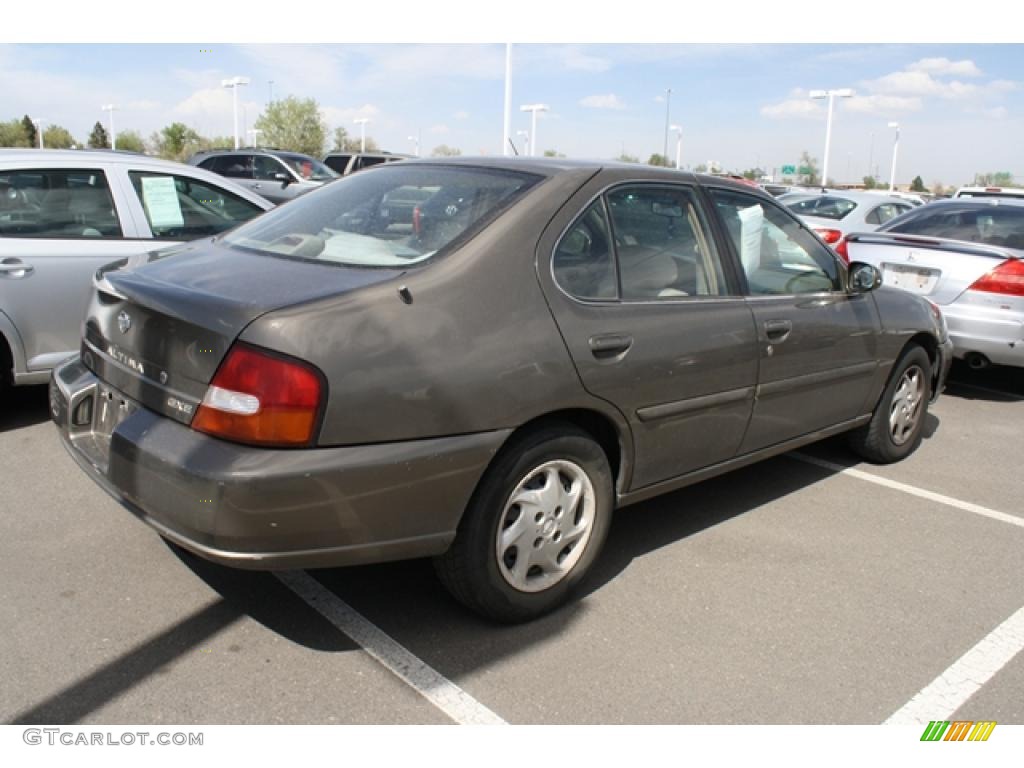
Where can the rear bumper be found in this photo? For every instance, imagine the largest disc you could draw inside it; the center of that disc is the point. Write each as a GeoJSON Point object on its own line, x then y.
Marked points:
{"type": "Point", "coordinates": [268, 509]}
{"type": "Point", "coordinates": [996, 333]}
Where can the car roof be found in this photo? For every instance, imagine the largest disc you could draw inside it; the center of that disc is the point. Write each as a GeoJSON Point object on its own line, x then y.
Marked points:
{"type": "Point", "coordinates": [250, 151]}
{"type": "Point", "coordinates": [971, 203]}
{"type": "Point", "coordinates": [83, 157]}
{"type": "Point", "coordinates": [857, 195]}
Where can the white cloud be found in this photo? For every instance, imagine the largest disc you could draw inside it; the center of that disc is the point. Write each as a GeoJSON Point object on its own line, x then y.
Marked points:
{"type": "Point", "coordinates": [882, 104]}
{"type": "Point", "coordinates": [602, 101]}
{"type": "Point", "coordinates": [996, 113]}
{"type": "Point", "coordinates": [800, 108]}
{"type": "Point", "coordinates": [943, 66]}
{"type": "Point", "coordinates": [461, 115]}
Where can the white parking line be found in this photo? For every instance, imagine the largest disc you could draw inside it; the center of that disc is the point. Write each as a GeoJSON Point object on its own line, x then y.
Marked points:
{"type": "Point", "coordinates": [417, 674]}
{"type": "Point", "coordinates": [949, 501]}
{"type": "Point", "coordinates": [950, 690]}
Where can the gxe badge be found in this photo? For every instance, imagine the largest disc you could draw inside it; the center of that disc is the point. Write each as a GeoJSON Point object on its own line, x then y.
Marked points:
{"type": "Point", "coordinates": [124, 321]}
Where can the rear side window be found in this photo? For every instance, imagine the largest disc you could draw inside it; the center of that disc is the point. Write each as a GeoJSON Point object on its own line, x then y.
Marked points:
{"type": "Point", "coordinates": [235, 166]}
{"type": "Point", "coordinates": [885, 212]}
{"type": "Point", "coordinates": [182, 208]}
{"type": "Point", "coordinates": [584, 265]}
{"type": "Point", "coordinates": [337, 163]}
{"type": "Point", "coordinates": [57, 204]}
{"type": "Point", "coordinates": [395, 216]}
{"type": "Point", "coordinates": [366, 161]}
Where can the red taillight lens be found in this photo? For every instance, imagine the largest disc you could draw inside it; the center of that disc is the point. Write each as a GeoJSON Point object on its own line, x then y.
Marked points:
{"type": "Point", "coordinates": [830, 236]}
{"type": "Point", "coordinates": [843, 251]}
{"type": "Point", "coordinates": [261, 399]}
{"type": "Point", "coordinates": [1007, 278]}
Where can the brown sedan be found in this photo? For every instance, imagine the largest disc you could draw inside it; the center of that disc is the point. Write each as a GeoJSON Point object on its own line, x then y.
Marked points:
{"type": "Point", "coordinates": [478, 360]}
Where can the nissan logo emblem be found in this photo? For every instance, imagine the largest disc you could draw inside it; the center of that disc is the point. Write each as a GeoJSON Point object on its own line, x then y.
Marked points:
{"type": "Point", "coordinates": [124, 321]}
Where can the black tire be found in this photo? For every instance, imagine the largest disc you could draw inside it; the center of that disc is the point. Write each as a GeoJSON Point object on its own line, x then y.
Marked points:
{"type": "Point", "coordinates": [880, 440]}
{"type": "Point", "coordinates": [471, 569]}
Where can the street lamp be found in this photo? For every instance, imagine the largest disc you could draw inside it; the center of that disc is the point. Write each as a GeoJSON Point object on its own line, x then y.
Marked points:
{"type": "Point", "coordinates": [526, 141]}
{"type": "Point", "coordinates": [844, 93]}
{"type": "Point", "coordinates": [233, 83]}
{"type": "Point", "coordinates": [668, 101]}
{"type": "Point", "coordinates": [895, 146]}
{"type": "Point", "coordinates": [533, 109]}
{"type": "Point", "coordinates": [113, 136]}
{"type": "Point", "coordinates": [416, 143]}
{"type": "Point", "coordinates": [679, 145]}
{"type": "Point", "coordinates": [38, 123]}
{"type": "Point", "coordinates": [361, 122]}
{"type": "Point", "coordinates": [255, 133]}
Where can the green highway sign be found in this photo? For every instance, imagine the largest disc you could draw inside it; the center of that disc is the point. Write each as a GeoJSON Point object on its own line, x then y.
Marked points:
{"type": "Point", "coordinates": [788, 170]}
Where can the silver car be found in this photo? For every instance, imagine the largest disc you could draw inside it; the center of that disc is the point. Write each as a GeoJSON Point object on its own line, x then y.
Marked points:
{"type": "Point", "coordinates": [834, 213]}
{"type": "Point", "coordinates": [275, 175]}
{"type": "Point", "coordinates": [64, 214]}
{"type": "Point", "coordinates": [967, 256]}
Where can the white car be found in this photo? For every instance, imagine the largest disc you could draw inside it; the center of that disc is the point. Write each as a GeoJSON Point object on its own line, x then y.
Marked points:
{"type": "Point", "coordinates": [65, 213]}
{"type": "Point", "coordinates": [834, 213]}
{"type": "Point", "coordinates": [966, 256]}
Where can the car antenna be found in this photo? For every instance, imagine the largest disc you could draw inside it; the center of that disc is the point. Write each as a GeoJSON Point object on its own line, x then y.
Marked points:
{"type": "Point", "coordinates": [513, 144]}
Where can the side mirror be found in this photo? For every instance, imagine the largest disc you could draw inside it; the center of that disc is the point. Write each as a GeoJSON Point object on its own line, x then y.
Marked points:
{"type": "Point", "coordinates": [864, 277]}
{"type": "Point", "coordinates": [284, 178]}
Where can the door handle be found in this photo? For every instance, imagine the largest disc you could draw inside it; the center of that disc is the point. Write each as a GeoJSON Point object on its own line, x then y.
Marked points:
{"type": "Point", "coordinates": [777, 330]}
{"type": "Point", "coordinates": [15, 268]}
{"type": "Point", "coordinates": [255, 186]}
{"type": "Point", "coordinates": [610, 345]}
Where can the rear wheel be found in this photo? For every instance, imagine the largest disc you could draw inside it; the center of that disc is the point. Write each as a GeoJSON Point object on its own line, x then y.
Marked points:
{"type": "Point", "coordinates": [533, 527]}
{"type": "Point", "coordinates": [896, 428]}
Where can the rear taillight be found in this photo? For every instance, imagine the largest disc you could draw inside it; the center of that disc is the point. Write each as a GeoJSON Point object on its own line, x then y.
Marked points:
{"type": "Point", "coordinates": [260, 398]}
{"type": "Point", "coordinates": [830, 236]}
{"type": "Point", "coordinates": [843, 251]}
{"type": "Point", "coordinates": [1007, 278]}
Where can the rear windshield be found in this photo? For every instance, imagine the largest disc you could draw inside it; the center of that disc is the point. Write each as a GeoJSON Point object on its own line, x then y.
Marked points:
{"type": "Point", "coordinates": [990, 224]}
{"type": "Point", "coordinates": [395, 216]}
{"type": "Point", "coordinates": [308, 168]}
{"type": "Point", "coordinates": [337, 163]}
{"type": "Point", "coordinates": [825, 207]}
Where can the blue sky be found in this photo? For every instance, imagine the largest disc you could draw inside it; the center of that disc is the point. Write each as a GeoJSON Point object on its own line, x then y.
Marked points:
{"type": "Point", "coordinates": [960, 107]}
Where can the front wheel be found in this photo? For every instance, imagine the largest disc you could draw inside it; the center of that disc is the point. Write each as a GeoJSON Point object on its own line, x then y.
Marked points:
{"type": "Point", "coordinates": [533, 527]}
{"type": "Point", "coordinates": [897, 425]}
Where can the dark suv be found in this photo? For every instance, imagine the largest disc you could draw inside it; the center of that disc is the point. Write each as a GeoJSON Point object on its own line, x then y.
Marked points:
{"type": "Point", "coordinates": [344, 163]}
{"type": "Point", "coordinates": [277, 175]}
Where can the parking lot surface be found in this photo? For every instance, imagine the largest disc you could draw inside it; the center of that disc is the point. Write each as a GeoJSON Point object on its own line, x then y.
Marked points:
{"type": "Point", "coordinates": [791, 591]}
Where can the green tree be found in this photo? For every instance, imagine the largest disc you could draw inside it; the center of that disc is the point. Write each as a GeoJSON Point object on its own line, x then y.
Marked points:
{"type": "Point", "coordinates": [624, 158]}
{"type": "Point", "coordinates": [917, 185]}
{"type": "Point", "coordinates": [12, 134]}
{"type": "Point", "coordinates": [869, 182]}
{"type": "Point", "coordinates": [753, 174]}
{"type": "Point", "coordinates": [658, 159]}
{"type": "Point", "coordinates": [98, 138]}
{"type": "Point", "coordinates": [998, 179]}
{"type": "Point", "coordinates": [30, 131]}
{"type": "Point", "coordinates": [701, 168]}
{"type": "Point", "coordinates": [58, 137]}
{"type": "Point", "coordinates": [130, 141]}
{"type": "Point", "coordinates": [443, 150]}
{"type": "Point", "coordinates": [552, 153]}
{"type": "Point", "coordinates": [176, 142]}
{"type": "Point", "coordinates": [345, 143]}
{"type": "Point", "coordinates": [810, 177]}
{"type": "Point", "coordinates": [294, 124]}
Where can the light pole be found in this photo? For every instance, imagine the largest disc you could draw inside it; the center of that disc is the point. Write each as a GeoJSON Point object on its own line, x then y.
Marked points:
{"type": "Point", "coordinates": [668, 102]}
{"type": "Point", "coordinates": [113, 136]}
{"type": "Point", "coordinates": [895, 146]}
{"type": "Point", "coordinates": [416, 143]}
{"type": "Point", "coordinates": [533, 109]}
{"type": "Point", "coordinates": [506, 131]}
{"type": "Point", "coordinates": [38, 123]}
{"type": "Point", "coordinates": [844, 93]}
{"type": "Point", "coordinates": [526, 141]}
{"type": "Point", "coordinates": [679, 145]}
{"type": "Point", "coordinates": [361, 122]}
{"type": "Point", "coordinates": [255, 133]}
{"type": "Point", "coordinates": [233, 83]}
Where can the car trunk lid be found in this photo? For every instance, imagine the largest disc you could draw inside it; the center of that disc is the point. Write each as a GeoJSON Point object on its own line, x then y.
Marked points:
{"type": "Point", "coordinates": [158, 328]}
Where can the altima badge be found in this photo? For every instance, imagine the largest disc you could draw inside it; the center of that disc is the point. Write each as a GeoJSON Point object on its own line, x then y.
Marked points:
{"type": "Point", "coordinates": [124, 321]}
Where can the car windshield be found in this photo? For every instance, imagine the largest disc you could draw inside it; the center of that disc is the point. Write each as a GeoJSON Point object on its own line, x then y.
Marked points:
{"type": "Point", "coordinates": [395, 216]}
{"type": "Point", "coordinates": [308, 168]}
{"type": "Point", "coordinates": [824, 207]}
{"type": "Point", "coordinates": [988, 224]}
